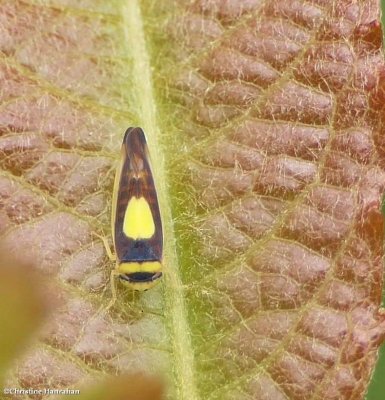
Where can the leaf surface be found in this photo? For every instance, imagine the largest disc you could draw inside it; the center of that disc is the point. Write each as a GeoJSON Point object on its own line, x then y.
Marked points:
{"type": "Point", "coordinates": [269, 118]}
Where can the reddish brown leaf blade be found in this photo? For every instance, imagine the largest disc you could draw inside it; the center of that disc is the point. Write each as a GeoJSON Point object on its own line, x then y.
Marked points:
{"type": "Point", "coordinates": [64, 109]}
{"type": "Point", "coordinates": [23, 304]}
{"type": "Point", "coordinates": [125, 387]}
{"type": "Point", "coordinates": [289, 180]}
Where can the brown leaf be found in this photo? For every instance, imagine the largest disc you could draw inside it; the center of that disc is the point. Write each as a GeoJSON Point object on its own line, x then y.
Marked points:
{"type": "Point", "coordinates": [125, 387]}
{"type": "Point", "coordinates": [288, 185]}
{"type": "Point", "coordinates": [23, 305]}
{"type": "Point", "coordinates": [271, 114]}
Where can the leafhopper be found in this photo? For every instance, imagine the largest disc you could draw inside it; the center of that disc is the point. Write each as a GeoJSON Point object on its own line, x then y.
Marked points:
{"type": "Point", "coordinates": [136, 220]}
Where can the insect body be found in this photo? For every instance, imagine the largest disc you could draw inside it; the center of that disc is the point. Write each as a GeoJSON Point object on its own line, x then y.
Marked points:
{"type": "Point", "coordinates": [136, 220]}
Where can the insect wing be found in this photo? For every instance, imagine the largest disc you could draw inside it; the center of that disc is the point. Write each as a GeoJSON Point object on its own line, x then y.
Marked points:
{"type": "Point", "coordinates": [137, 225]}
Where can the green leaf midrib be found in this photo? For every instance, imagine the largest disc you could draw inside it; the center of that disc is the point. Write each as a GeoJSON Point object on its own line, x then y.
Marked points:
{"type": "Point", "coordinates": [145, 108]}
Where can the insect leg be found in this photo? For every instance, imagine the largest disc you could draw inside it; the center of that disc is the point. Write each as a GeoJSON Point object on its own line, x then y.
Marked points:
{"type": "Point", "coordinates": [111, 256]}
{"type": "Point", "coordinates": [104, 309]}
{"type": "Point", "coordinates": [114, 273]}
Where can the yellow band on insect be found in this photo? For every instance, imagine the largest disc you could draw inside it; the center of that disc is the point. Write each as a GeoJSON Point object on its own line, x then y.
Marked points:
{"type": "Point", "coordinates": [138, 221]}
{"type": "Point", "coordinates": [132, 267]}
